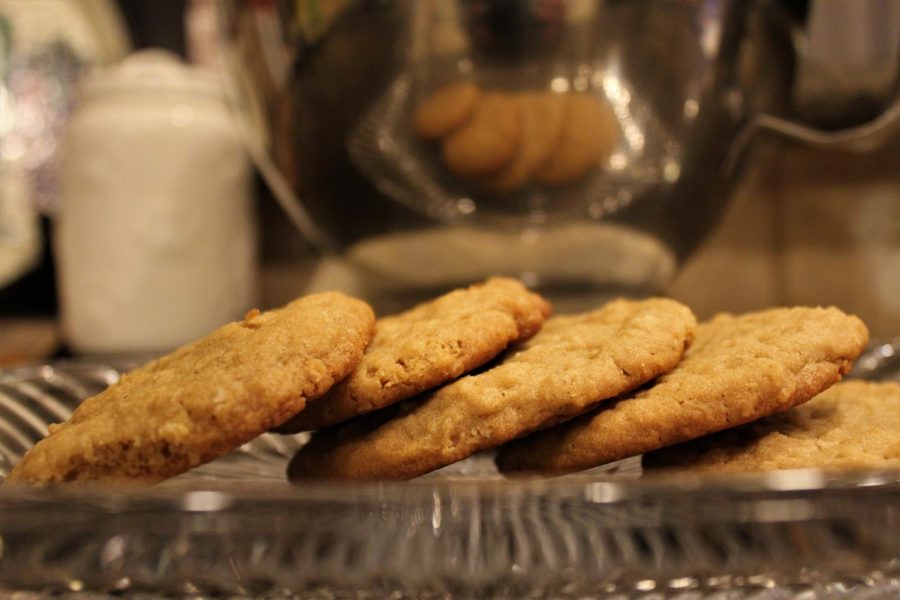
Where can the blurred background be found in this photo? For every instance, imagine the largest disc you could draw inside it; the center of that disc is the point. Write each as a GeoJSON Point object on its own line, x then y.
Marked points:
{"type": "Point", "coordinates": [699, 198]}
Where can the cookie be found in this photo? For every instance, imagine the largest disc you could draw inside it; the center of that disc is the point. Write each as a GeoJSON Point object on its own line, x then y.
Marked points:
{"type": "Point", "coordinates": [739, 369]}
{"type": "Point", "coordinates": [428, 345]}
{"type": "Point", "coordinates": [542, 118]}
{"type": "Point", "coordinates": [445, 110]}
{"type": "Point", "coordinates": [852, 425]}
{"type": "Point", "coordinates": [487, 141]}
{"type": "Point", "coordinates": [589, 135]}
{"type": "Point", "coordinates": [574, 362]}
{"type": "Point", "coordinates": [205, 399]}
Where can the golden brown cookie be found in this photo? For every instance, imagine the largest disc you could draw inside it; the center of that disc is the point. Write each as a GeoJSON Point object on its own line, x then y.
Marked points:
{"type": "Point", "coordinates": [739, 369]}
{"type": "Point", "coordinates": [487, 141]}
{"type": "Point", "coordinates": [428, 345]}
{"type": "Point", "coordinates": [852, 425]}
{"type": "Point", "coordinates": [445, 110]}
{"type": "Point", "coordinates": [574, 362]}
{"type": "Point", "coordinates": [542, 118]}
{"type": "Point", "coordinates": [589, 135]}
{"type": "Point", "coordinates": [206, 398]}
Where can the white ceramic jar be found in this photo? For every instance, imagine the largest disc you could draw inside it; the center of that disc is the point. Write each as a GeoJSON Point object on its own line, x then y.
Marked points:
{"type": "Point", "coordinates": [155, 242]}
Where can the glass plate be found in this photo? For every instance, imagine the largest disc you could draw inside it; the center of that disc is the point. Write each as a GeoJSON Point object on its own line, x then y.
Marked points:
{"type": "Point", "coordinates": [235, 527]}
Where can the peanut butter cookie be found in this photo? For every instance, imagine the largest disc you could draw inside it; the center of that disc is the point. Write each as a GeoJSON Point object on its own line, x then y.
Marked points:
{"type": "Point", "coordinates": [206, 398]}
{"type": "Point", "coordinates": [445, 110]}
{"type": "Point", "coordinates": [852, 425]}
{"type": "Point", "coordinates": [574, 362]}
{"type": "Point", "coordinates": [487, 141]}
{"type": "Point", "coordinates": [739, 369]}
{"type": "Point", "coordinates": [428, 345]}
{"type": "Point", "coordinates": [542, 118]}
{"type": "Point", "coordinates": [590, 132]}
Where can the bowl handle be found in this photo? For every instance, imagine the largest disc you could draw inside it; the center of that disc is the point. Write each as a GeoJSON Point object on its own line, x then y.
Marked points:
{"type": "Point", "coordinates": [860, 138]}
{"type": "Point", "coordinates": [864, 137]}
{"type": "Point", "coordinates": [842, 51]}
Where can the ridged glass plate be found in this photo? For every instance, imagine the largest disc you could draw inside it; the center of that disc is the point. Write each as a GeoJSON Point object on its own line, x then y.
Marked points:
{"type": "Point", "coordinates": [236, 528]}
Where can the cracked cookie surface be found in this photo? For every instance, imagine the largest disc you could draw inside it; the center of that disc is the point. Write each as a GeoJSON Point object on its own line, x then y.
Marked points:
{"type": "Point", "coordinates": [574, 362]}
{"type": "Point", "coordinates": [852, 425]}
{"type": "Point", "coordinates": [739, 369]}
{"type": "Point", "coordinates": [206, 398]}
{"type": "Point", "coordinates": [428, 345]}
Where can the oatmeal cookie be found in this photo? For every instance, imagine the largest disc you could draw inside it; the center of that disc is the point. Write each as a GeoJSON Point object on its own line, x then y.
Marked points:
{"type": "Point", "coordinates": [206, 398]}
{"type": "Point", "coordinates": [542, 114]}
{"type": "Point", "coordinates": [445, 110]}
{"type": "Point", "coordinates": [487, 141]}
{"type": "Point", "coordinates": [740, 368]}
{"type": "Point", "coordinates": [574, 362]}
{"type": "Point", "coordinates": [590, 132]}
{"type": "Point", "coordinates": [852, 425]}
{"type": "Point", "coordinates": [428, 345]}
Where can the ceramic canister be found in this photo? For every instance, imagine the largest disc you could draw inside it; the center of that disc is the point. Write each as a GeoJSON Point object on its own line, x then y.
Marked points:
{"type": "Point", "coordinates": [155, 241]}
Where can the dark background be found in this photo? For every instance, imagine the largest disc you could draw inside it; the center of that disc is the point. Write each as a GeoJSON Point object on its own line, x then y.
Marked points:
{"type": "Point", "coordinates": [155, 23]}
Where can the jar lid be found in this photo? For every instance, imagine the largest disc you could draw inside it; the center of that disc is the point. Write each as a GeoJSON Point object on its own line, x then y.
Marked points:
{"type": "Point", "coordinates": [154, 72]}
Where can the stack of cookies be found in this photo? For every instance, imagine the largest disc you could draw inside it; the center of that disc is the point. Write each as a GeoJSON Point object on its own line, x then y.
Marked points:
{"type": "Point", "coordinates": [504, 141]}
{"type": "Point", "coordinates": [488, 367]}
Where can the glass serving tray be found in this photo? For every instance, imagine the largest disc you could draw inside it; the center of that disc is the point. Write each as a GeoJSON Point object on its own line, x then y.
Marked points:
{"type": "Point", "coordinates": [235, 527]}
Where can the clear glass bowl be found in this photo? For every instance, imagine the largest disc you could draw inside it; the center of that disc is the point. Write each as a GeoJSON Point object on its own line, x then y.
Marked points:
{"type": "Point", "coordinates": [236, 527]}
